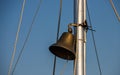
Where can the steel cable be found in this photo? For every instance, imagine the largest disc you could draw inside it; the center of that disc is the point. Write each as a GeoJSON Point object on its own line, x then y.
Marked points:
{"type": "Point", "coordinates": [58, 30]}
{"type": "Point", "coordinates": [16, 40]}
{"type": "Point", "coordinates": [28, 34]}
{"type": "Point", "coordinates": [95, 48]}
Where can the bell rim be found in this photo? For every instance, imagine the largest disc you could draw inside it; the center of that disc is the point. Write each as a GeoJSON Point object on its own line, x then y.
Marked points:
{"type": "Point", "coordinates": [63, 49]}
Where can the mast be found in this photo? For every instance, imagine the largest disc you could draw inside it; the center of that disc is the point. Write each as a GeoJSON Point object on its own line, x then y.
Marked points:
{"type": "Point", "coordinates": [80, 32]}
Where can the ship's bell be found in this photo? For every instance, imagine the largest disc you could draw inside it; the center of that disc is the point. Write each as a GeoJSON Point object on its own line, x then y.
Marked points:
{"type": "Point", "coordinates": [64, 48]}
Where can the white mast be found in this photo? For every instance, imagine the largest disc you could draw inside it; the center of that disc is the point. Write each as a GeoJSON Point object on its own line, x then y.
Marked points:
{"type": "Point", "coordinates": [80, 18]}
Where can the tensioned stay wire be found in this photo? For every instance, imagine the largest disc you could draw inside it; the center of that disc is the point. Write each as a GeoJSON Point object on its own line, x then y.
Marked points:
{"type": "Point", "coordinates": [58, 30]}
{"type": "Point", "coordinates": [97, 57]}
{"type": "Point", "coordinates": [16, 40]}
{"type": "Point", "coordinates": [28, 34]}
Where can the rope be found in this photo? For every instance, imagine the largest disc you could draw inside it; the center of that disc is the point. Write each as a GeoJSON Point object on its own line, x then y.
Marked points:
{"type": "Point", "coordinates": [116, 13]}
{"type": "Point", "coordinates": [30, 29]}
{"type": "Point", "coordinates": [16, 40]}
{"type": "Point", "coordinates": [97, 57]}
{"type": "Point", "coordinates": [64, 66]}
{"type": "Point", "coordinates": [58, 30]}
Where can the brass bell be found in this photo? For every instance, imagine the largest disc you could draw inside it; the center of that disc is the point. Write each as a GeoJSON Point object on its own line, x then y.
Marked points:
{"type": "Point", "coordinates": [64, 48]}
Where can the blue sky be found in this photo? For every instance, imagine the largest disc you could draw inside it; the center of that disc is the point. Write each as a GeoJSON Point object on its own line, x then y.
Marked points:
{"type": "Point", "coordinates": [36, 58]}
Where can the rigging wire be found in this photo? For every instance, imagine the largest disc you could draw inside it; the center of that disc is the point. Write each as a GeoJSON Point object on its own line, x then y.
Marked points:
{"type": "Point", "coordinates": [116, 13]}
{"type": "Point", "coordinates": [28, 34]}
{"type": "Point", "coordinates": [16, 40]}
{"type": "Point", "coordinates": [117, 5]}
{"type": "Point", "coordinates": [95, 48]}
{"type": "Point", "coordinates": [58, 30]}
{"type": "Point", "coordinates": [62, 71]}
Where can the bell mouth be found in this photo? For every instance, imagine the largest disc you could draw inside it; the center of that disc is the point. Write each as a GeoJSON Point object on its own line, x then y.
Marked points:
{"type": "Point", "coordinates": [62, 52]}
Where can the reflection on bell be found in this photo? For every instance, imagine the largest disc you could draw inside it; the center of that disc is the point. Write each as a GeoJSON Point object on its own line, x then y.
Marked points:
{"type": "Point", "coordinates": [64, 48]}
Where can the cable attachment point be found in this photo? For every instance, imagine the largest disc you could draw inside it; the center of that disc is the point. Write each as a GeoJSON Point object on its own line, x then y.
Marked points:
{"type": "Point", "coordinates": [84, 24]}
{"type": "Point", "coordinates": [90, 28]}
{"type": "Point", "coordinates": [69, 29]}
